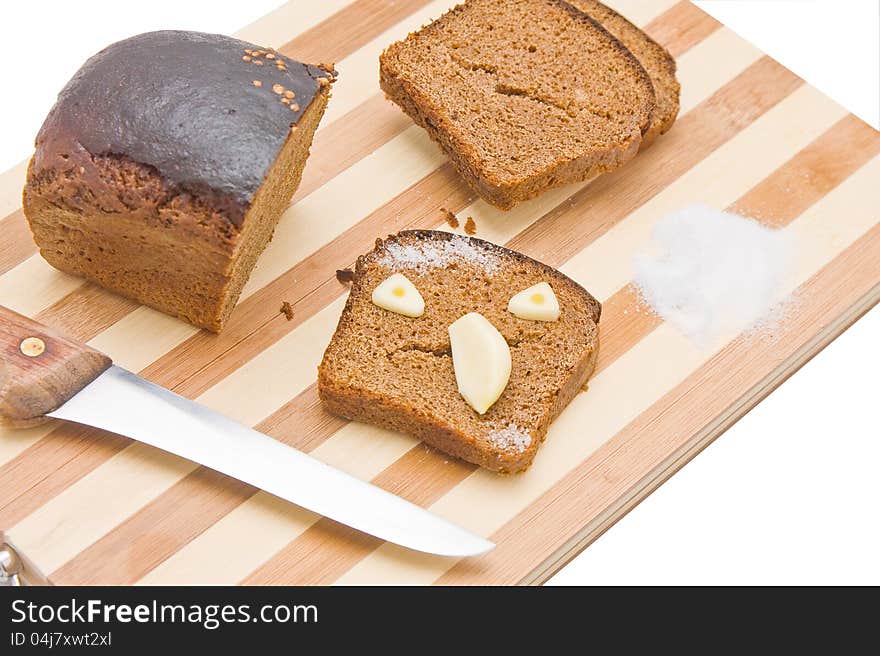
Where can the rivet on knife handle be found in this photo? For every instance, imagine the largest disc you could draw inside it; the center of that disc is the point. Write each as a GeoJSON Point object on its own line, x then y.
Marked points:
{"type": "Point", "coordinates": [40, 369]}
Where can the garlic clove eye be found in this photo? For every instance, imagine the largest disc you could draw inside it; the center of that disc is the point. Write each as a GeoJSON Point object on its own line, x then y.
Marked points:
{"type": "Point", "coordinates": [537, 303]}
{"type": "Point", "coordinates": [397, 294]}
{"type": "Point", "coordinates": [481, 360]}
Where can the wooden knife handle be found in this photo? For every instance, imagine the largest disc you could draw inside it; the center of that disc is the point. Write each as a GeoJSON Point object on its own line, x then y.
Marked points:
{"type": "Point", "coordinates": [40, 369]}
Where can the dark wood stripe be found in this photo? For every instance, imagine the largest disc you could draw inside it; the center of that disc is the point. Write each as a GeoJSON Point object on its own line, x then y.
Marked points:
{"type": "Point", "coordinates": [348, 30]}
{"type": "Point", "coordinates": [17, 241]}
{"type": "Point", "coordinates": [86, 312]}
{"type": "Point", "coordinates": [681, 27]}
{"type": "Point", "coordinates": [50, 466]}
{"type": "Point", "coordinates": [815, 171]}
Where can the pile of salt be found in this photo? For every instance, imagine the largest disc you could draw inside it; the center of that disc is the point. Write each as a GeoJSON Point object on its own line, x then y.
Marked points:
{"type": "Point", "coordinates": [712, 273]}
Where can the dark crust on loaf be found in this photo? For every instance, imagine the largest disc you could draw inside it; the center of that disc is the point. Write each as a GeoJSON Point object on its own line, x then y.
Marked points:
{"type": "Point", "coordinates": [184, 104]}
{"type": "Point", "coordinates": [486, 174]}
{"type": "Point", "coordinates": [353, 376]}
{"type": "Point", "coordinates": [162, 245]}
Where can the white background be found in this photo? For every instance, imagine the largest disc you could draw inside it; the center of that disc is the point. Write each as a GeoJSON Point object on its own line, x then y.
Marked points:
{"type": "Point", "coordinates": [791, 494]}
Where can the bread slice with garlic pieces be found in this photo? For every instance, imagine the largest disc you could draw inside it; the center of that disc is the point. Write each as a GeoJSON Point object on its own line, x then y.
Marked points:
{"type": "Point", "coordinates": [403, 373]}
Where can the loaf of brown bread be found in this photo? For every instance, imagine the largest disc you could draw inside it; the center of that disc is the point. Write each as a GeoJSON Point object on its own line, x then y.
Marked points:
{"type": "Point", "coordinates": [396, 371]}
{"type": "Point", "coordinates": [653, 57]}
{"type": "Point", "coordinates": [165, 164]}
{"type": "Point", "coordinates": [522, 95]}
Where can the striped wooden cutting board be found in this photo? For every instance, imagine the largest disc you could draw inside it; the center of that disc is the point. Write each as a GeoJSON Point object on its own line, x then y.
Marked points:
{"type": "Point", "coordinates": [88, 507]}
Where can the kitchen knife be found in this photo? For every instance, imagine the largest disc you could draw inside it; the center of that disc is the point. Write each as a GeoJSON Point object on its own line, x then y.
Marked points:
{"type": "Point", "coordinates": [44, 374]}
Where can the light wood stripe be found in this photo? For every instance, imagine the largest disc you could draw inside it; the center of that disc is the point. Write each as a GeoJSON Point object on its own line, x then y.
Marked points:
{"type": "Point", "coordinates": [623, 325]}
{"type": "Point", "coordinates": [765, 125]}
{"type": "Point", "coordinates": [347, 140]}
{"type": "Point", "coordinates": [11, 183]}
{"type": "Point", "coordinates": [143, 338]}
{"type": "Point", "coordinates": [361, 73]}
{"type": "Point", "coordinates": [665, 352]}
{"type": "Point", "coordinates": [32, 285]}
{"type": "Point", "coordinates": [640, 12]}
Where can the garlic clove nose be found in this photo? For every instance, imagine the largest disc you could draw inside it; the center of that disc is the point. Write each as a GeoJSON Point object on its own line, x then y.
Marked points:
{"type": "Point", "coordinates": [481, 360]}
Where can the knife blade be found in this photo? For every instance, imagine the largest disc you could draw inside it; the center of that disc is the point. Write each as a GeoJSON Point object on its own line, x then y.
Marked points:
{"type": "Point", "coordinates": [114, 399]}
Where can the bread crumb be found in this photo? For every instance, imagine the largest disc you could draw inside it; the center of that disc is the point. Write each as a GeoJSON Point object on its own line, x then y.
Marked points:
{"type": "Point", "coordinates": [470, 227]}
{"type": "Point", "coordinates": [451, 219]}
{"type": "Point", "coordinates": [286, 310]}
{"type": "Point", "coordinates": [344, 276]}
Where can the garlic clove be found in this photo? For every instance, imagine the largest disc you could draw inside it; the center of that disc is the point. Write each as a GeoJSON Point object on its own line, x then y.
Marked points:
{"type": "Point", "coordinates": [481, 360]}
{"type": "Point", "coordinates": [537, 303]}
{"type": "Point", "coordinates": [397, 294]}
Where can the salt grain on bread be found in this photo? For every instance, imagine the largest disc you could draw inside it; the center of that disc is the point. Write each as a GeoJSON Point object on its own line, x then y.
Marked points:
{"type": "Point", "coordinates": [397, 372]}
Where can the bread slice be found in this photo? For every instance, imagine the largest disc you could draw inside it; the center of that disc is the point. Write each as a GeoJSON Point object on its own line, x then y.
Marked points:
{"type": "Point", "coordinates": [653, 57]}
{"type": "Point", "coordinates": [397, 372]}
{"type": "Point", "coordinates": [166, 197]}
{"type": "Point", "coordinates": [522, 95]}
